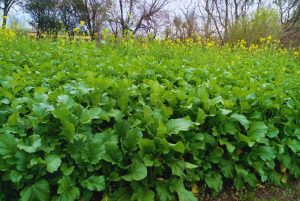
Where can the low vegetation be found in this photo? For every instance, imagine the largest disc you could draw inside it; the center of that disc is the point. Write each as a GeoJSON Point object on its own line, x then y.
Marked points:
{"type": "Point", "coordinates": [145, 120]}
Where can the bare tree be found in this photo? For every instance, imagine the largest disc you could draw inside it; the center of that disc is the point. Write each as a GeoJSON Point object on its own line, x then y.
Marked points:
{"type": "Point", "coordinates": [113, 21]}
{"type": "Point", "coordinates": [289, 10]}
{"type": "Point", "coordinates": [218, 15]}
{"type": "Point", "coordinates": [6, 5]}
{"type": "Point", "coordinates": [134, 15]}
{"type": "Point", "coordinates": [213, 15]}
{"type": "Point", "coordinates": [290, 19]}
{"type": "Point", "coordinates": [185, 25]}
{"type": "Point", "coordinates": [206, 18]}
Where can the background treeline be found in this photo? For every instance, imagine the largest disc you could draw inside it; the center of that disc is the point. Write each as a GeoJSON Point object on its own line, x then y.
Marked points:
{"type": "Point", "coordinates": [223, 20]}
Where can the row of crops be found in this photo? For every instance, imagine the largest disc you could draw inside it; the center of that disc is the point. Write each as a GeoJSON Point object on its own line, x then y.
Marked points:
{"type": "Point", "coordinates": [144, 120]}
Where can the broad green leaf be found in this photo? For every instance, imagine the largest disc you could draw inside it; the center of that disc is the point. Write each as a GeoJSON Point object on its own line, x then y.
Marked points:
{"type": "Point", "coordinates": [67, 190]}
{"type": "Point", "coordinates": [190, 165]}
{"type": "Point", "coordinates": [216, 154]}
{"type": "Point", "coordinates": [273, 132]}
{"type": "Point", "coordinates": [203, 95]}
{"type": "Point", "coordinates": [41, 109]}
{"type": "Point", "coordinates": [94, 183]}
{"type": "Point", "coordinates": [67, 171]}
{"type": "Point", "coordinates": [13, 176]}
{"type": "Point", "coordinates": [294, 145]}
{"type": "Point", "coordinates": [266, 153]}
{"type": "Point", "coordinates": [275, 177]}
{"type": "Point", "coordinates": [225, 111]}
{"type": "Point", "coordinates": [113, 153]}
{"type": "Point", "coordinates": [183, 194]}
{"type": "Point", "coordinates": [214, 181]}
{"type": "Point", "coordinates": [14, 118]}
{"type": "Point", "coordinates": [178, 147]}
{"type": "Point", "coordinates": [297, 133]}
{"type": "Point", "coordinates": [31, 144]}
{"type": "Point", "coordinates": [132, 139]}
{"type": "Point", "coordinates": [122, 194]}
{"type": "Point", "coordinates": [227, 168]}
{"type": "Point", "coordinates": [162, 129]}
{"type": "Point", "coordinates": [176, 125]}
{"type": "Point", "coordinates": [251, 180]}
{"type": "Point", "coordinates": [53, 162]}
{"type": "Point", "coordinates": [136, 172]}
{"type": "Point", "coordinates": [142, 194]}
{"type": "Point", "coordinates": [98, 113]}
{"type": "Point", "coordinates": [63, 114]}
{"type": "Point", "coordinates": [241, 172]}
{"type": "Point", "coordinates": [40, 191]}
{"type": "Point", "coordinates": [163, 192]}
{"type": "Point", "coordinates": [85, 117]}
{"type": "Point", "coordinates": [285, 160]}
{"type": "Point", "coordinates": [246, 139]}
{"type": "Point", "coordinates": [216, 100]}
{"type": "Point", "coordinates": [230, 148]}
{"type": "Point", "coordinates": [178, 167]}
{"type": "Point", "coordinates": [257, 131]}
{"type": "Point", "coordinates": [201, 116]}
{"type": "Point", "coordinates": [147, 146]}
{"type": "Point", "coordinates": [66, 100]}
{"type": "Point", "coordinates": [122, 128]}
{"type": "Point", "coordinates": [242, 119]}
{"type": "Point", "coordinates": [238, 183]}
{"type": "Point", "coordinates": [93, 152]}
{"type": "Point", "coordinates": [68, 130]}
{"type": "Point", "coordinates": [8, 145]}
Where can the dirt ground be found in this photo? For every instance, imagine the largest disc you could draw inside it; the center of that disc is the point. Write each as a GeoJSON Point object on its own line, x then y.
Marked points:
{"type": "Point", "coordinates": [289, 192]}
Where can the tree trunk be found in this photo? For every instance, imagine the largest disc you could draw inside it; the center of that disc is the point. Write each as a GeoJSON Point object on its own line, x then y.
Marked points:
{"type": "Point", "coordinates": [5, 13]}
{"type": "Point", "coordinates": [226, 21]}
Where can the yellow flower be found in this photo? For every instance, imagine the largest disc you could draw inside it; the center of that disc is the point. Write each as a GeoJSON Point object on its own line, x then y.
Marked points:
{"type": "Point", "coordinates": [296, 53]}
{"type": "Point", "coordinates": [253, 47]}
{"type": "Point", "coordinates": [210, 43]}
{"type": "Point", "coordinates": [262, 40]}
{"type": "Point", "coordinates": [199, 39]}
{"type": "Point", "coordinates": [189, 41]}
{"type": "Point", "coordinates": [131, 41]}
{"type": "Point", "coordinates": [7, 34]}
{"type": "Point", "coordinates": [242, 44]}
{"type": "Point", "coordinates": [76, 30]}
{"type": "Point", "coordinates": [277, 41]}
{"type": "Point", "coordinates": [269, 38]}
{"type": "Point", "coordinates": [82, 23]}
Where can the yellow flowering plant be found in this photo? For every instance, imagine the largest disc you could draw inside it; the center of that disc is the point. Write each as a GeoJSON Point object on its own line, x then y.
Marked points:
{"type": "Point", "coordinates": [82, 23]}
{"type": "Point", "coordinates": [7, 33]}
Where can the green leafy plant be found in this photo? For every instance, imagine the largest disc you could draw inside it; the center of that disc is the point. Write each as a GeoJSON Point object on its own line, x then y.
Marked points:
{"type": "Point", "coordinates": [144, 121]}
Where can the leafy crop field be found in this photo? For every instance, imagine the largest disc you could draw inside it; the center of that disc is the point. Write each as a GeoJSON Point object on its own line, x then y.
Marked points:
{"type": "Point", "coordinates": [144, 120]}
